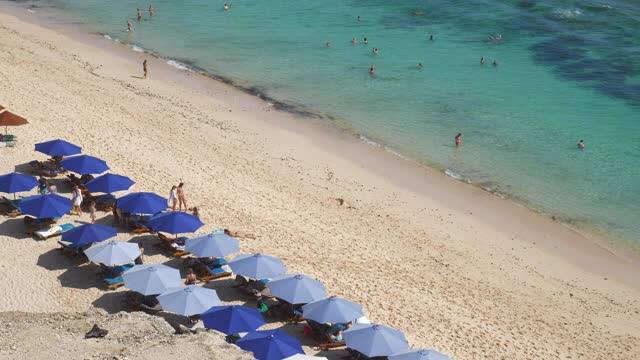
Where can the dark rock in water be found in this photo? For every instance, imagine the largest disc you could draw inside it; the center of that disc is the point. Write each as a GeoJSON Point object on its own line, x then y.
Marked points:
{"type": "Point", "coordinates": [96, 332]}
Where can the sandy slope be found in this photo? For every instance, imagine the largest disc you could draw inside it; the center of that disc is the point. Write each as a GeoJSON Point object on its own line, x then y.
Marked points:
{"type": "Point", "coordinates": [456, 269]}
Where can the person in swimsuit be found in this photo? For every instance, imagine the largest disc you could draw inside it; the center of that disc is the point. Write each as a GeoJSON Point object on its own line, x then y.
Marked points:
{"type": "Point", "coordinates": [139, 14]}
{"type": "Point", "coordinates": [328, 44]}
{"type": "Point", "coordinates": [354, 41]}
{"type": "Point", "coordinates": [374, 51]}
{"type": "Point", "coordinates": [372, 70]}
{"type": "Point", "coordinates": [92, 212]}
{"type": "Point", "coordinates": [129, 26]}
{"type": "Point", "coordinates": [191, 278]}
{"type": "Point", "coordinates": [77, 200]}
{"type": "Point", "coordinates": [431, 37]}
{"type": "Point", "coordinates": [150, 9]}
{"type": "Point", "coordinates": [226, 7]}
{"type": "Point", "coordinates": [195, 212]}
{"type": "Point", "coordinates": [581, 145]}
{"type": "Point", "coordinates": [181, 198]}
{"type": "Point", "coordinates": [366, 41]}
{"type": "Point", "coordinates": [144, 68]}
{"type": "Point", "coordinates": [420, 66]}
{"type": "Point", "coordinates": [458, 139]}
{"type": "Point", "coordinates": [495, 62]}
{"type": "Point", "coordinates": [482, 61]}
{"type": "Point", "coordinates": [359, 18]}
{"type": "Point", "coordinates": [173, 198]}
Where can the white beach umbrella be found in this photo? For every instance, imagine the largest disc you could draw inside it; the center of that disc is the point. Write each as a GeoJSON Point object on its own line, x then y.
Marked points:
{"type": "Point", "coordinates": [151, 279]}
{"type": "Point", "coordinates": [113, 252]}
{"type": "Point", "coordinates": [188, 300]}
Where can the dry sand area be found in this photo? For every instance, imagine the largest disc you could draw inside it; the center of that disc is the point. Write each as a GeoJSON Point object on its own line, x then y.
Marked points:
{"type": "Point", "coordinates": [455, 268]}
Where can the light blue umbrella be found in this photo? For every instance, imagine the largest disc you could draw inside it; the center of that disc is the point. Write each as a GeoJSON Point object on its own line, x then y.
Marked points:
{"type": "Point", "coordinates": [419, 355]}
{"type": "Point", "coordinates": [109, 183]}
{"type": "Point", "coordinates": [113, 252]}
{"type": "Point", "coordinates": [212, 245]}
{"type": "Point", "coordinates": [142, 203]}
{"type": "Point", "coordinates": [332, 310]}
{"type": "Point", "coordinates": [375, 340]}
{"type": "Point", "coordinates": [257, 266]}
{"type": "Point", "coordinates": [270, 345]}
{"type": "Point", "coordinates": [305, 357]}
{"type": "Point", "coordinates": [151, 279]}
{"type": "Point", "coordinates": [89, 233]}
{"type": "Point", "coordinates": [84, 164]}
{"type": "Point", "coordinates": [58, 148]}
{"type": "Point", "coordinates": [297, 289]}
{"type": "Point", "coordinates": [45, 206]}
{"type": "Point", "coordinates": [188, 300]}
{"type": "Point", "coordinates": [175, 222]}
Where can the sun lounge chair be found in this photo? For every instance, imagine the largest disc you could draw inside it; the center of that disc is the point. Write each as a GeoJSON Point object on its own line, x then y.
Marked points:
{"type": "Point", "coordinates": [207, 273]}
{"type": "Point", "coordinates": [70, 249]}
{"type": "Point", "coordinates": [53, 231]}
{"type": "Point", "coordinates": [7, 138]}
{"type": "Point", "coordinates": [174, 247]}
{"type": "Point", "coordinates": [7, 143]}
{"type": "Point", "coordinates": [12, 207]}
{"type": "Point", "coordinates": [32, 224]}
{"type": "Point", "coordinates": [113, 282]}
{"type": "Point", "coordinates": [44, 169]}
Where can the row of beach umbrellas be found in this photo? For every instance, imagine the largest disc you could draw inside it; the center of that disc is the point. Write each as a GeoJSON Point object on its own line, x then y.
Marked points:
{"type": "Point", "coordinates": [188, 300]}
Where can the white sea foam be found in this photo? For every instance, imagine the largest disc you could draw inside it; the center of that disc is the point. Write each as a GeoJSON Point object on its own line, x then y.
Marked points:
{"type": "Point", "coordinates": [137, 48]}
{"type": "Point", "coordinates": [178, 65]}
{"type": "Point", "coordinates": [454, 175]}
{"type": "Point", "coordinates": [31, 11]}
{"type": "Point", "coordinates": [368, 141]}
{"type": "Point", "coordinates": [107, 37]}
{"type": "Point", "coordinates": [567, 13]}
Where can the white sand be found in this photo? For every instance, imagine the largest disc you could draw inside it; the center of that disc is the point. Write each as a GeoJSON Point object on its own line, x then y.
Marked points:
{"type": "Point", "coordinates": [456, 268]}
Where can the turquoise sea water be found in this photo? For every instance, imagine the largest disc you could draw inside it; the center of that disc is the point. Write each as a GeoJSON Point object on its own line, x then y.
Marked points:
{"type": "Point", "coordinates": [568, 70]}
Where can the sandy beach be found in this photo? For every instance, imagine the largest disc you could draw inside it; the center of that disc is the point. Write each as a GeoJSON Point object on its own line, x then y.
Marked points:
{"type": "Point", "coordinates": [454, 267]}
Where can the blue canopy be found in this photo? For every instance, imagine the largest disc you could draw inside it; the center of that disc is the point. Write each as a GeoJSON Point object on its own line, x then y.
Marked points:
{"type": "Point", "coordinates": [14, 182]}
{"type": "Point", "coordinates": [332, 310]}
{"type": "Point", "coordinates": [175, 222]}
{"type": "Point", "coordinates": [84, 164]}
{"type": "Point", "coordinates": [419, 355]}
{"type": "Point", "coordinates": [109, 183]}
{"type": "Point", "coordinates": [142, 203]}
{"type": "Point", "coordinates": [297, 289]}
{"type": "Point", "coordinates": [270, 345]}
{"type": "Point", "coordinates": [212, 245]}
{"type": "Point", "coordinates": [375, 340]}
{"type": "Point", "coordinates": [46, 206]}
{"type": "Point", "coordinates": [58, 148]}
{"type": "Point", "coordinates": [232, 319]}
{"type": "Point", "coordinates": [257, 266]}
{"type": "Point", "coordinates": [89, 233]}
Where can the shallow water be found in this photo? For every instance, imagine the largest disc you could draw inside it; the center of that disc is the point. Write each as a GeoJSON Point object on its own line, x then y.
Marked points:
{"type": "Point", "coordinates": [568, 70]}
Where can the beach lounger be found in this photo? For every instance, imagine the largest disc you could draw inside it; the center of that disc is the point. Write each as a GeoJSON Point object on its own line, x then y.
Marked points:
{"type": "Point", "coordinates": [207, 273]}
{"type": "Point", "coordinates": [70, 249]}
{"type": "Point", "coordinates": [174, 247]}
{"type": "Point", "coordinates": [114, 282]}
{"type": "Point", "coordinates": [8, 138]}
{"type": "Point", "coordinates": [326, 342]}
{"type": "Point", "coordinates": [32, 224]}
{"type": "Point", "coordinates": [7, 143]}
{"type": "Point", "coordinates": [12, 207]}
{"type": "Point", "coordinates": [53, 231]}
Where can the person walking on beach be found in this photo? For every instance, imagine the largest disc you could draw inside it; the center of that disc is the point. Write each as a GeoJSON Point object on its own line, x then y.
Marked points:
{"type": "Point", "coordinates": [92, 212]}
{"type": "Point", "coordinates": [150, 9]}
{"type": "Point", "coordinates": [581, 145]}
{"type": "Point", "coordinates": [76, 198]}
{"type": "Point", "coordinates": [129, 26]}
{"type": "Point", "coordinates": [173, 197]}
{"type": "Point", "coordinates": [181, 198]}
{"type": "Point", "coordinates": [458, 139]}
{"type": "Point", "coordinates": [139, 14]}
{"type": "Point", "coordinates": [144, 68]}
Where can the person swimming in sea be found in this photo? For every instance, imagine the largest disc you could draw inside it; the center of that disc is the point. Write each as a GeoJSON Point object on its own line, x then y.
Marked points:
{"type": "Point", "coordinates": [139, 14]}
{"type": "Point", "coordinates": [359, 18]}
{"type": "Point", "coordinates": [328, 44]}
{"type": "Point", "coordinates": [374, 51]}
{"type": "Point", "coordinates": [458, 139]}
{"type": "Point", "coordinates": [431, 37]}
{"type": "Point", "coordinates": [420, 66]}
{"type": "Point", "coordinates": [372, 70]}
{"type": "Point", "coordinates": [150, 9]}
{"type": "Point", "coordinates": [354, 41]}
{"type": "Point", "coordinates": [495, 62]}
{"type": "Point", "coordinates": [226, 6]}
{"type": "Point", "coordinates": [482, 60]}
{"type": "Point", "coordinates": [366, 41]}
{"type": "Point", "coordinates": [129, 26]}
{"type": "Point", "coordinates": [581, 145]}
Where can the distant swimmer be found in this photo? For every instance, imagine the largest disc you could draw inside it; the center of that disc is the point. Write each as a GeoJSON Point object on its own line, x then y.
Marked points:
{"type": "Point", "coordinates": [495, 62]}
{"type": "Point", "coordinates": [144, 68]}
{"type": "Point", "coordinates": [328, 44]}
{"type": "Point", "coordinates": [139, 14]}
{"type": "Point", "coordinates": [458, 139]}
{"type": "Point", "coordinates": [374, 51]}
{"type": "Point", "coordinates": [366, 41]}
{"type": "Point", "coordinates": [431, 37]}
{"type": "Point", "coordinates": [129, 26]}
{"type": "Point", "coordinates": [496, 37]}
{"type": "Point", "coordinates": [482, 61]}
{"type": "Point", "coordinates": [226, 6]}
{"type": "Point", "coordinates": [354, 41]}
{"type": "Point", "coordinates": [150, 9]}
{"type": "Point", "coordinates": [372, 70]}
{"type": "Point", "coordinates": [420, 66]}
{"type": "Point", "coordinates": [581, 145]}
{"type": "Point", "coordinates": [359, 18]}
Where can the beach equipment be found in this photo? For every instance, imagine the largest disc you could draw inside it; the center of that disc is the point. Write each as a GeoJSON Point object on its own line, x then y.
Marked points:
{"type": "Point", "coordinates": [188, 300]}
{"type": "Point", "coordinates": [232, 319]}
{"type": "Point", "coordinates": [142, 203]}
{"type": "Point", "coordinates": [212, 245]}
{"type": "Point", "coordinates": [58, 148]}
{"type": "Point", "coordinates": [152, 279]}
{"type": "Point", "coordinates": [270, 345]}
{"type": "Point", "coordinates": [305, 357]}
{"type": "Point", "coordinates": [297, 289]}
{"type": "Point", "coordinates": [113, 252]}
{"type": "Point", "coordinates": [109, 183]}
{"type": "Point", "coordinates": [8, 118]}
{"type": "Point", "coordinates": [175, 222]}
{"type": "Point", "coordinates": [257, 266]}
{"type": "Point", "coordinates": [332, 310]}
{"type": "Point", "coordinates": [419, 355]}
{"type": "Point", "coordinates": [45, 206]}
{"type": "Point", "coordinates": [84, 164]}
{"type": "Point", "coordinates": [14, 182]}
{"type": "Point", "coordinates": [375, 340]}
{"type": "Point", "coordinates": [89, 233]}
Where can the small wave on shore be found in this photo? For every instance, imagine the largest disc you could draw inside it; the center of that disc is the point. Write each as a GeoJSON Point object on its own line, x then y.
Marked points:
{"type": "Point", "coordinates": [178, 65]}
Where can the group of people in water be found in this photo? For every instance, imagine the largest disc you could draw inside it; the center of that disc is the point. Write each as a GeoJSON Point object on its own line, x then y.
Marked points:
{"type": "Point", "coordinates": [139, 12]}
{"type": "Point", "coordinates": [458, 141]}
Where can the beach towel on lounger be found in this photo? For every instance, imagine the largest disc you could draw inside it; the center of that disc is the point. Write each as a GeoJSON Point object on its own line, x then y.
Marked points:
{"type": "Point", "coordinates": [54, 231]}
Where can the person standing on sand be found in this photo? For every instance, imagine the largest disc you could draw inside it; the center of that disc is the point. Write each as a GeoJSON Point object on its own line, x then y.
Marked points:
{"type": "Point", "coordinates": [173, 197]}
{"type": "Point", "coordinates": [458, 139]}
{"type": "Point", "coordinates": [181, 198]}
{"type": "Point", "coordinates": [581, 145]}
{"type": "Point", "coordinates": [144, 68]}
{"type": "Point", "coordinates": [92, 212]}
{"type": "Point", "coordinates": [129, 26]}
{"type": "Point", "coordinates": [77, 200]}
{"type": "Point", "coordinates": [139, 14]}
{"type": "Point", "coordinates": [150, 9]}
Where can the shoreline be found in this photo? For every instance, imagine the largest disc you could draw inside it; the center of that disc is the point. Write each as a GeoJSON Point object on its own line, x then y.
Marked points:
{"type": "Point", "coordinates": [463, 226]}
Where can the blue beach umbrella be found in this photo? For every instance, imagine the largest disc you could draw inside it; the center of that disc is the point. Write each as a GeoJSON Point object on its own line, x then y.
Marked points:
{"type": "Point", "coordinates": [297, 289]}
{"type": "Point", "coordinates": [89, 233]}
{"type": "Point", "coordinates": [109, 183]}
{"type": "Point", "coordinates": [84, 164]}
{"type": "Point", "coordinates": [58, 148]}
{"type": "Point", "coordinates": [332, 310]}
{"type": "Point", "coordinates": [305, 357]}
{"type": "Point", "coordinates": [232, 319]}
{"type": "Point", "coordinates": [188, 300]}
{"type": "Point", "coordinates": [142, 203]}
{"type": "Point", "coordinates": [419, 355]}
{"type": "Point", "coordinates": [46, 206]}
{"type": "Point", "coordinates": [270, 345]}
{"type": "Point", "coordinates": [175, 222]}
{"type": "Point", "coordinates": [212, 245]}
{"type": "Point", "coordinates": [14, 182]}
{"type": "Point", "coordinates": [151, 279]}
{"type": "Point", "coordinates": [257, 266]}
{"type": "Point", "coordinates": [113, 252]}
{"type": "Point", "coordinates": [375, 340]}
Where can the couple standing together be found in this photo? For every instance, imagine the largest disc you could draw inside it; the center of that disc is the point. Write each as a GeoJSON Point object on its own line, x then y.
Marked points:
{"type": "Point", "coordinates": [176, 198]}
